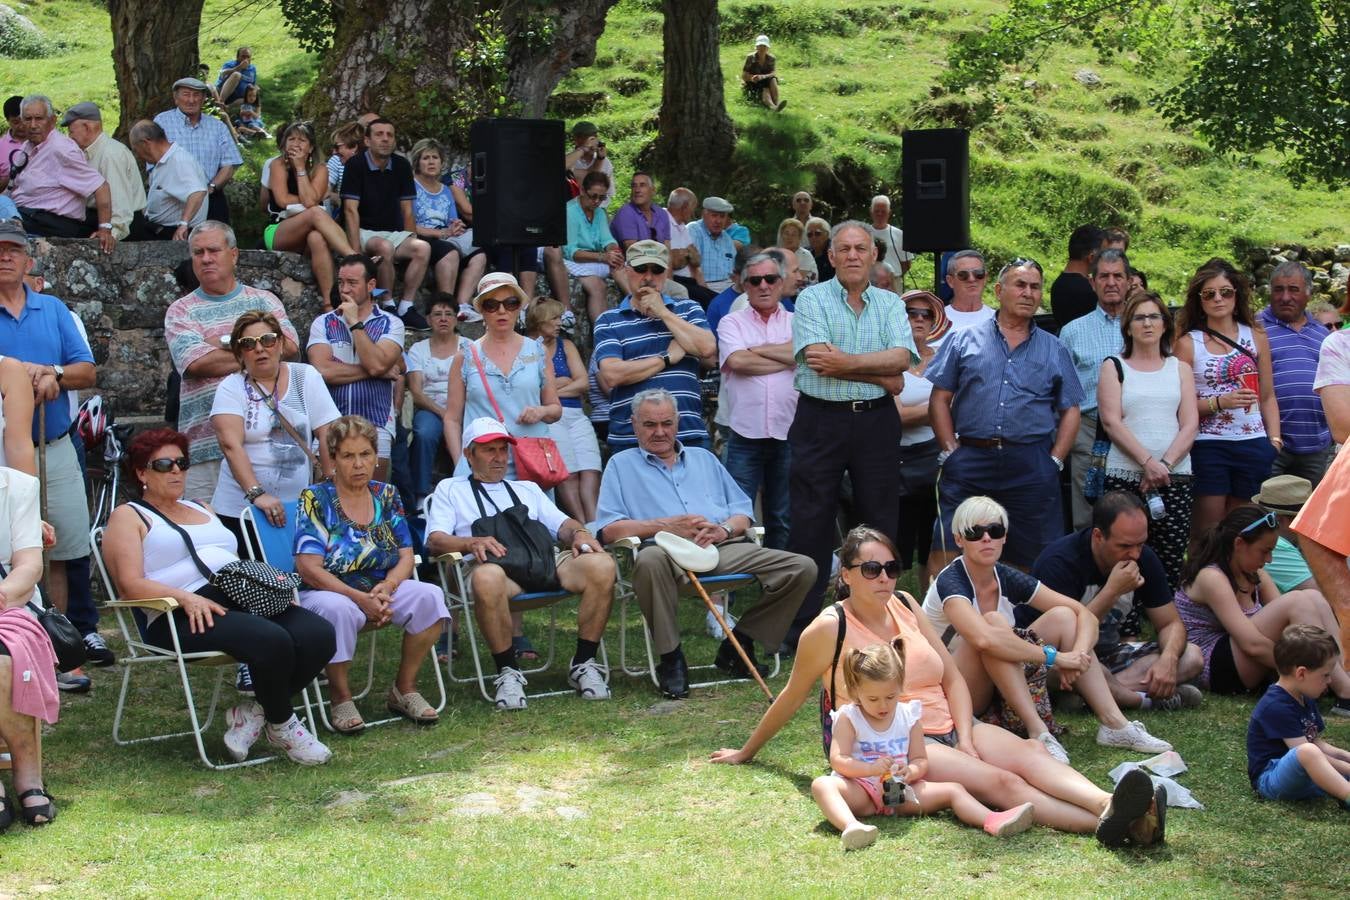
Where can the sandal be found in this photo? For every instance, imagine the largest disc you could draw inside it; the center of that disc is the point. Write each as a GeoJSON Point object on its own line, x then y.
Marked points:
{"type": "Point", "coordinates": [345, 718]}
{"type": "Point", "coordinates": [412, 706]}
{"type": "Point", "coordinates": [31, 813]}
{"type": "Point", "coordinates": [524, 649]}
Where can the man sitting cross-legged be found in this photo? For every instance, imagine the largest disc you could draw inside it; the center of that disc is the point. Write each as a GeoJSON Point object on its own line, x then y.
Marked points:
{"type": "Point", "coordinates": [585, 569]}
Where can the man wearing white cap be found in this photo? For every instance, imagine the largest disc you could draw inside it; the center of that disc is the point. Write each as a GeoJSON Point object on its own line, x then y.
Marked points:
{"type": "Point", "coordinates": [84, 123]}
{"type": "Point", "coordinates": [760, 76]}
{"type": "Point", "coordinates": [207, 138]}
{"type": "Point", "coordinates": [460, 503]}
{"type": "Point", "coordinates": [716, 249]}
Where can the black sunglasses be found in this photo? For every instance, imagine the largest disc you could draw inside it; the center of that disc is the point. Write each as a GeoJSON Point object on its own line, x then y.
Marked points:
{"type": "Point", "coordinates": [995, 530]}
{"type": "Point", "coordinates": [969, 275]}
{"type": "Point", "coordinates": [872, 569]}
{"type": "Point", "coordinates": [756, 280]}
{"type": "Point", "coordinates": [166, 464]}
{"type": "Point", "coordinates": [915, 312]}
{"type": "Point", "coordinates": [492, 304]}
{"type": "Point", "coordinates": [268, 341]}
{"type": "Point", "coordinates": [649, 269]}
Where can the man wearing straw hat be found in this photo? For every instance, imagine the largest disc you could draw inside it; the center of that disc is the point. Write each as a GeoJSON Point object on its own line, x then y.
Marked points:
{"type": "Point", "coordinates": [1284, 495]}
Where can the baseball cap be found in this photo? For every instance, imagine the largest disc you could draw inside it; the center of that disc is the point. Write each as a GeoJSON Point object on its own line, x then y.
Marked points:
{"type": "Point", "coordinates": [11, 232]}
{"type": "Point", "coordinates": [584, 129]}
{"type": "Point", "coordinates": [195, 83]}
{"type": "Point", "coordinates": [717, 204]}
{"type": "Point", "coordinates": [485, 429]}
{"type": "Point", "coordinates": [491, 282]}
{"type": "Point", "coordinates": [762, 41]}
{"type": "Point", "coordinates": [644, 253]}
{"type": "Point", "coordinates": [86, 111]}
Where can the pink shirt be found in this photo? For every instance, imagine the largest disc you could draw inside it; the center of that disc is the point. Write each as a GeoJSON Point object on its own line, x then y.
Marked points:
{"type": "Point", "coordinates": [58, 179]}
{"type": "Point", "coordinates": [7, 146]}
{"type": "Point", "coordinates": [762, 406]}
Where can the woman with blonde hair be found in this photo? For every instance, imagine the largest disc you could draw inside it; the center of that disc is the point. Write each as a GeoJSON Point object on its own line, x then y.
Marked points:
{"type": "Point", "coordinates": [436, 212]}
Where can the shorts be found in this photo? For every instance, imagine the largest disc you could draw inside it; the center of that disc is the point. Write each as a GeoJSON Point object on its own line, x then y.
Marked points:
{"type": "Point", "coordinates": [1230, 468]}
{"type": "Point", "coordinates": [1223, 673]}
{"type": "Point", "coordinates": [67, 505]}
{"type": "Point", "coordinates": [586, 269]}
{"type": "Point", "coordinates": [1122, 655]}
{"type": "Point", "coordinates": [461, 244]}
{"type": "Point", "coordinates": [396, 238]}
{"type": "Point", "coordinates": [516, 259]}
{"type": "Point", "coordinates": [1286, 779]}
{"type": "Point", "coordinates": [946, 739]}
{"type": "Point", "coordinates": [269, 234]}
{"type": "Point", "coordinates": [871, 785]}
{"type": "Point", "coordinates": [576, 440]}
{"type": "Point", "coordinates": [384, 435]}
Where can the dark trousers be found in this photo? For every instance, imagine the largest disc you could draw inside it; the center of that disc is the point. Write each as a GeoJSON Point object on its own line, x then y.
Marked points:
{"type": "Point", "coordinates": [1022, 478]}
{"type": "Point", "coordinates": [756, 463]}
{"type": "Point", "coordinates": [41, 223]}
{"type": "Point", "coordinates": [828, 440]}
{"type": "Point", "coordinates": [283, 654]}
{"type": "Point", "coordinates": [142, 229]}
{"type": "Point", "coordinates": [217, 207]}
{"type": "Point", "coordinates": [697, 292]}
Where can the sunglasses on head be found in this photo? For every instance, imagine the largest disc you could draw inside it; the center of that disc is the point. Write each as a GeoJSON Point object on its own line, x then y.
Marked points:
{"type": "Point", "coordinates": [492, 304]}
{"type": "Point", "coordinates": [757, 280]}
{"type": "Point", "coordinates": [918, 312]}
{"type": "Point", "coordinates": [1266, 521]}
{"type": "Point", "coordinates": [649, 269]}
{"type": "Point", "coordinates": [970, 274]}
{"type": "Point", "coordinates": [995, 530]}
{"type": "Point", "coordinates": [166, 464]}
{"type": "Point", "coordinates": [873, 569]}
{"type": "Point", "coordinates": [268, 341]}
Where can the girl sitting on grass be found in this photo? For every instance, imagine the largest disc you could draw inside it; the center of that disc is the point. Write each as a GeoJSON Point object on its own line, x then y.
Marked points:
{"type": "Point", "coordinates": [879, 762]}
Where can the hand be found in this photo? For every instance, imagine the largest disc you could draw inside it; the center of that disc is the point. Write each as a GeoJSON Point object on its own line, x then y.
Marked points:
{"type": "Point", "coordinates": [710, 533]}
{"type": "Point", "coordinates": [1160, 682]}
{"type": "Point", "coordinates": [729, 757]}
{"type": "Point", "coordinates": [583, 542]}
{"type": "Point", "coordinates": [647, 301]}
{"type": "Point", "coordinates": [883, 766]}
{"type": "Point", "coordinates": [967, 746]}
{"type": "Point", "coordinates": [614, 257]}
{"type": "Point", "coordinates": [347, 309]}
{"type": "Point", "coordinates": [908, 774]}
{"type": "Point", "coordinates": [1124, 578]}
{"type": "Point", "coordinates": [48, 536]}
{"type": "Point", "coordinates": [592, 143]}
{"type": "Point", "coordinates": [200, 612]}
{"type": "Point", "coordinates": [826, 359]}
{"type": "Point", "coordinates": [296, 157]}
{"type": "Point", "coordinates": [482, 547]}
{"type": "Point", "coordinates": [271, 508]}
{"type": "Point", "coordinates": [384, 592]}
{"type": "Point", "coordinates": [676, 352]}
{"type": "Point", "coordinates": [180, 233]}
{"type": "Point", "coordinates": [105, 239]}
{"type": "Point", "coordinates": [376, 609]}
{"type": "Point", "coordinates": [686, 526]}
{"type": "Point", "coordinates": [1241, 397]}
{"type": "Point", "coordinates": [457, 228]}
{"type": "Point", "coordinates": [46, 388]}
{"type": "Point", "coordinates": [530, 414]}
{"type": "Point", "coordinates": [1155, 476]}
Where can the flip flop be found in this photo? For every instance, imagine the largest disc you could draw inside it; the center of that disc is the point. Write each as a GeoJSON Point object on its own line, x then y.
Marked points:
{"type": "Point", "coordinates": [345, 718]}
{"type": "Point", "coordinates": [524, 649]}
{"type": "Point", "coordinates": [411, 706]}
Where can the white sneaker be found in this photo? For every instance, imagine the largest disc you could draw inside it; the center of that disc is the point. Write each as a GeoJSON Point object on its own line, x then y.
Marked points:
{"type": "Point", "coordinates": [588, 679]}
{"type": "Point", "coordinates": [715, 628]}
{"type": "Point", "coordinates": [510, 684]}
{"type": "Point", "coordinates": [301, 746]}
{"type": "Point", "coordinates": [1054, 747]}
{"type": "Point", "coordinates": [244, 723]}
{"type": "Point", "coordinates": [858, 835]}
{"type": "Point", "coordinates": [468, 314]}
{"type": "Point", "coordinates": [1132, 737]}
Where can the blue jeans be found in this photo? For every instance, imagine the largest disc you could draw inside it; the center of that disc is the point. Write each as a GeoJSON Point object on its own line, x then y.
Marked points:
{"type": "Point", "coordinates": [756, 463]}
{"type": "Point", "coordinates": [426, 443]}
{"type": "Point", "coordinates": [1286, 779]}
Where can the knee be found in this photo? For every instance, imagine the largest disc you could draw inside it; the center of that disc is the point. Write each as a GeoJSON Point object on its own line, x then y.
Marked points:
{"type": "Point", "coordinates": [381, 248]}
{"type": "Point", "coordinates": [1010, 784]}
{"type": "Point", "coordinates": [1307, 754]}
{"type": "Point", "coordinates": [488, 583]}
{"type": "Point", "coordinates": [996, 619]}
{"type": "Point", "coordinates": [419, 249]}
{"type": "Point", "coordinates": [821, 785]}
{"type": "Point", "coordinates": [598, 569]}
{"type": "Point", "coordinates": [1192, 662]}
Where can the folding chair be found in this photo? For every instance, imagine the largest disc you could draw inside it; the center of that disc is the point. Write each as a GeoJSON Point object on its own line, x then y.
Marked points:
{"type": "Point", "coordinates": [453, 570]}
{"type": "Point", "coordinates": [275, 545]}
{"type": "Point", "coordinates": [141, 654]}
{"type": "Point", "coordinates": [625, 553]}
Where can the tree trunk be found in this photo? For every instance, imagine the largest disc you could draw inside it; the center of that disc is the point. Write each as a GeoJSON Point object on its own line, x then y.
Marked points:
{"type": "Point", "coordinates": [154, 45]}
{"type": "Point", "coordinates": [696, 137]}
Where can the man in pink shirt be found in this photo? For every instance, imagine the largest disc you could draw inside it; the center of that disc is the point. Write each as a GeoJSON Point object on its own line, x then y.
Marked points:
{"type": "Point", "coordinates": [755, 349]}
{"type": "Point", "coordinates": [53, 186]}
{"type": "Point", "coordinates": [11, 140]}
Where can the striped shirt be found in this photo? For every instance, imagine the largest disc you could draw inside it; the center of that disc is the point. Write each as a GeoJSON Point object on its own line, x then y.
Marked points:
{"type": "Point", "coordinates": [370, 398]}
{"type": "Point", "coordinates": [1091, 339]}
{"type": "Point", "coordinates": [208, 141]}
{"type": "Point", "coordinates": [822, 315]}
{"type": "Point", "coordinates": [624, 333]}
{"type": "Point", "coordinates": [193, 327]}
{"type": "Point", "coordinates": [1293, 358]}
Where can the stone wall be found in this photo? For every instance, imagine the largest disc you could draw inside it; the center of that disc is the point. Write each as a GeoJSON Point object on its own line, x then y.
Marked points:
{"type": "Point", "coordinates": [1330, 267]}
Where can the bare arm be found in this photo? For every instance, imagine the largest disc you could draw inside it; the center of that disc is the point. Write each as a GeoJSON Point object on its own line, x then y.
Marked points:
{"type": "Point", "coordinates": [1336, 405]}
{"type": "Point", "coordinates": [334, 371]}
{"type": "Point", "coordinates": [222, 176]}
{"type": "Point", "coordinates": [953, 682]}
{"type": "Point", "coordinates": [229, 430]}
{"type": "Point", "coordinates": [987, 638]}
{"type": "Point", "coordinates": [309, 566]}
{"type": "Point", "coordinates": [940, 418]}
{"type": "Point", "coordinates": [17, 390]}
{"type": "Point", "coordinates": [351, 220]}
{"type": "Point", "coordinates": [843, 762]}
{"type": "Point", "coordinates": [695, 339]}
{"type": "Point", "coordinates": [1212, 589]}
{"type": "Point", "coordinates": [1270, 409]}
{"type": "Point", "coordinates": [614, 372]}
{"type": "Point", "coordinates": [379, 359]}
{"type": "Point", "coordinates": [215, 364]}
{"type": "Point", "coordinates": [1066, 434]}
{"type": "Point", "coordinates": [750, 362]}
{"type": "Point", "coordinates": [416, 380]}
{"type": "Point", "coordinates": [452, 423]}
{"type": "Point", "coordinates": [1046, 599]}
{"type": "Point", "coordinates": [576, 384]}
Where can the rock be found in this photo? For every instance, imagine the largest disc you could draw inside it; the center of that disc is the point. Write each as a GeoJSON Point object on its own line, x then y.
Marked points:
{"type": "Point", "coordinates": [475, 805]}
{"type": "Point", "coordinates": [1342, 253]}
{"type": "Point", "coordinates": [347, 798]}
{"type": "Point", "coordinates": [1321, 280]}
{"type": "Point", "coordinates": [569, 812]}
{"type": "Point", "coordinates": [665, 707]}
{"type": "Point", "coordinates": [1087, 78]}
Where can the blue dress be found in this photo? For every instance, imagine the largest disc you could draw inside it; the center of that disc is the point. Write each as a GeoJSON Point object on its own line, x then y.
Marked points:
{"type": "Point", "coordinates": [513, 391]}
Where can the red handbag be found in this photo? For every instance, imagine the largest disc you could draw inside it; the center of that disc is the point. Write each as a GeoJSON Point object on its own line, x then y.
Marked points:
{"type": "Point", "coordinates": [537, 458]}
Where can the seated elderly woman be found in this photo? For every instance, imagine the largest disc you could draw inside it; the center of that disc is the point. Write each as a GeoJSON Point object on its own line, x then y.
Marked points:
{"type": "Point", "coordinates": [24, 647]}
{"type": "Point", "coordinates": [970, 604]}
{"type": "Point", "coordinates": [354, 551]}
{"type": "Point", "coordinates": [145, 548]}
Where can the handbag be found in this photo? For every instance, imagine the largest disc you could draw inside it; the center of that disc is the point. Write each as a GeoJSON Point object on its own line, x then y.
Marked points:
{"type": "Point", "coordinates": [538, 459]}
{"type": "Point", "coordinates": [529, 559]}
{"type": "Point", "coordinates": [1094, 480]}
{"type": "Point", "coordinates": [252, 586]}
{"type": "Point", "coordinates": [67, 642]}
{"type": "Point", "coordinates": [918, 468]}
{"type": "Point", "coordinates": [270, 401]}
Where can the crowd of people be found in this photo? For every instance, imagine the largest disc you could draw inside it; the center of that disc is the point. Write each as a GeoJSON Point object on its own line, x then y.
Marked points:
{"type": "Point", "coordinates": [875, 431]}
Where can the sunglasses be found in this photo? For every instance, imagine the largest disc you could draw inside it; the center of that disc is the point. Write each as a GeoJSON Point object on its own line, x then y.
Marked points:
{"type": "Point", "coordinates": [1266, 521]}
{"type": "Point", "coordinates": [970, 274]}
{"type": "Point", "coordinates": [1020, 262]}
{"type": "Point", "coordinates": [1146, 317]}
{"type": "Point", "coordinates": [1226, 293]}
{"type": "Point", "coordinates": [166, 464]}
{"type": "Point", "coordinates": [872, 569]}
{"type": "Point", "coordinates": [598, 198]}
{"type": "Point", "coordinates": [649, 269]}
{"type": "Point", "coordinates": [995, 530]}
{"type": "Point", "coordinates": [915, 312]}
{"type": "Point", "coordinates": [757, 280]}
{"type": "Point", "coordinates": [268, 341]}
{"type": "Point", "coordinates": [492, 304]}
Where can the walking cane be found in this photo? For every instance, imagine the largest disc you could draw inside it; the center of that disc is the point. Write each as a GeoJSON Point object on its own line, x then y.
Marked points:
{"type": "Point", "coordinates": [693, 558]}
{"type": "Point", "coordinates": [42, 487]}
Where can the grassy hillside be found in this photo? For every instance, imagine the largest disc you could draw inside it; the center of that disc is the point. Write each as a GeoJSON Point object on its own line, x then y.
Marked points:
{"type": "Point", "coordinates": [1048, 155]}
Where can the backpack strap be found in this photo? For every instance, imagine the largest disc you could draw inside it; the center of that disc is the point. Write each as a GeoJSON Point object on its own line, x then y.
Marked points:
{"type": "Point", "coordinates": [838, 649]}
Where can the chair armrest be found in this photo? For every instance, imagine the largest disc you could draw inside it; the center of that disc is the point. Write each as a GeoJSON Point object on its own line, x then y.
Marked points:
{"type": "Point", "coordinates": [161, 604]}
{"type": "Point", "coordinates": [756, 534]}
{"type": "Point", "coordinates": [624, 548]}
{"type": "Point", "coordinates": [454, 556]}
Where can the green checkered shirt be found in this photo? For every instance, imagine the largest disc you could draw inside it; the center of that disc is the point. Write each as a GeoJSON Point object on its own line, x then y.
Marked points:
{"type": "Point", "coordinates": [822, 315]}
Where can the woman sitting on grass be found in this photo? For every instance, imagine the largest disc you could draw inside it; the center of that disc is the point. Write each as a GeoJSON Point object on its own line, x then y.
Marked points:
{"type": "Point", "coordinates": [998, 768]}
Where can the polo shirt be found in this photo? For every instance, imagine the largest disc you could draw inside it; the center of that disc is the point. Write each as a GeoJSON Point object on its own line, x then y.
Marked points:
{"type": "Point", "coordinates": [1068, 567]}
{"type": "Point", "coordinates": [762, 406]}
{"type": "Point", "coordinates": [1293, 358]}
{"type": "Point", "coordinates": [1287, 567]}
{"type": "Point", "coordinates": [209, 141]}
{"type": "Point", "coordinates": [173, 180]}
{"type": "Point", "coordinates": [679, 240]}
{"type": "Point", "coordinates": [624, 333]}
{"type": "Point", "coordinates": [379, 191]}
{"type": "Point", "coordinates": [7, 208]}
{"type": "Point", "coordinates": [453, 508]}
{"type": "Point", "coordinates": [45, 334]}
{"type": "Point", "coordinates": [1333, 365]}
{"type": "Point", "coordinates": [371, 398]}
{"type": "Point", "coordinates": [120, 168]}
{"type": "Point", "coordinates": [591, 235]}
{"type": "Point", "coordinates": [1322, 518]}
{"type": "Point", "coordinates": [1017, 394]}
{"type": "Point", "coordinates": [1015, 588]}
{"type": "Point", "coordinates": [1071, 296]}
{"type": "Point", "coordinates": [639, 485]}
{"type": "Point", "coordinates": [822, 315]}
{"type": "Point", "coordinates": [718, 253]}
{"type": "Point", "coordinates": [8, 145]}
{"type": "Point", "coordinates": [631, 225]}
{"type": "Point", "coordinates": [58, 178]}
{"type": "Point", "coordinates": [1091, 339]}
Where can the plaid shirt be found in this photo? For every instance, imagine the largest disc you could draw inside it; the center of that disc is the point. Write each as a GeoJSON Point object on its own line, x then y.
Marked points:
{"type": "Point", "coordinates": [822, 314]}
{"type": "Point", "coordinates": [208, 141]}
{"type": "Point", "coordinates": [1091, 339]}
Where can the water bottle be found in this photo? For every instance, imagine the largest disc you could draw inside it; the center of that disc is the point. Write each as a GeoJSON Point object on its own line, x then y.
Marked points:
{"type": "Point", "coordinates": [1156, 508]}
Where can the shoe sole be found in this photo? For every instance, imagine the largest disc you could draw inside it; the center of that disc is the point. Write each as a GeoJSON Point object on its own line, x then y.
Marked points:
{"type": "Point", "coordinates": [416, 721]}
{"type": "Point", "coordinates": [858, 838]}
{"type": "Point", "coordinates": [1020, 823]}
{"type": "Point", "coordinates": [1160, 798]}
{"type": "Point", "coordinates": [1129, 801]}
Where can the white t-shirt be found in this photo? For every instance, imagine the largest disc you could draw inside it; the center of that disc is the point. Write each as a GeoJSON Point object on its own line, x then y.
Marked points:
{"type": "Point", "coordinates": [893, 239]}
{"type": "Point", "coordinates": [961, 320]}
{"type": "Point", "coordinates": [916, 392]}
{"type": "Point", "coordinates": [20, 521]}
{"type": "Point", "coordinates": [175, 178]}
{"type": "Point", "coordinates": [679, 240]}
{"type": "Point", "coordinates": [279, 464]}
{"type": "Point", "coordinates": [435, 371]}
{"type": "Point", "coordinates": [453, 510]}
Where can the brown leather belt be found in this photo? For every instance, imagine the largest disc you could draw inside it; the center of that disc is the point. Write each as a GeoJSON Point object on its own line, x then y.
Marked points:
{"type": "Point", "coordinates": [984, 443]}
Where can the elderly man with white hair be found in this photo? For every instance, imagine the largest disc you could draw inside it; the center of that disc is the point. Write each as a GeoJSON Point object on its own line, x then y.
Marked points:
{"type": "Point", "coordinates": [685, 261]}
{"type": "Point", "coordinates": [118, 166]}
{"type": "Point", "coordinates": [51, 180]}
{"type": "Point", "coordinates": [892, 239]}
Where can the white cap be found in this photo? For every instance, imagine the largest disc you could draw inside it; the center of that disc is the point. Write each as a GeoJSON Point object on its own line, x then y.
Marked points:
{"type": "Point", "coordinates": [485, 429]}
{"type": "Point", "coordinates": [762, 41]}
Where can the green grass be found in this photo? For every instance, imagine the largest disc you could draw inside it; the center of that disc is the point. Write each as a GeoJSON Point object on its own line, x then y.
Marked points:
{"type": "Point", "coordinates": [613, 799]}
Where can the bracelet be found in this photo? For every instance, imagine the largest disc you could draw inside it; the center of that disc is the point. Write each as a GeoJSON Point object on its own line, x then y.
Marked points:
{"type": "Point", "coordinates": [1213, 404]}
{"type": "Point", "coordinates": [1169, 466]}
{"type": "Point", "coordinates": [107, 226]}
{"type": "Point", "coordinates": [1146, 460]}
{"type": "Point", "coordinates": [1050, 654]}
{"type": "Point", "coordinates": [1059, 463]}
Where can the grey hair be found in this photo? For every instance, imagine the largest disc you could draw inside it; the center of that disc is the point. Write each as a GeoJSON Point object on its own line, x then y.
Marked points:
{"type": "Point", "coordinates": [965, 254]}
{"type": "Point", "coordinates": [1111, 255]}
{"type": "Point", "coordinates": [37, 98]}
{"type": "Point", "coordinates": [880, 198]}
{"type": "Point", "coordinates": [816, 220]}
{"type": "Point", "coordinates": [214, 225]}
{"type": "Point", "coordinates": [1293, 267]}
{"type": "Point", "coordinates": [680, 198]}
{"type": "Point", "coordinates": [769, 256]}
{"type": "Point", "coordinates": [846, 225]}
{"type": "Point", "coordinates": [652, 395]}
{"type": "Point", "coordinates": [146, 130]}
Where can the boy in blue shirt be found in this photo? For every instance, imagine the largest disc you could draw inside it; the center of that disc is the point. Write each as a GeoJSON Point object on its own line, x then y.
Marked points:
{"type": "Point", "coordinates": [1286, 756]}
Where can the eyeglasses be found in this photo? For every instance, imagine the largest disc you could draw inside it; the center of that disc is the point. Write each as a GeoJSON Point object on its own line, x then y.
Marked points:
{"type": "Point", "coordinates": [915, 312]}
{"type": "Point", "coordinates": [757, 280]}
{"type": "Point", "coordinates": [649, 269]}
{"type": "Point", "coordinates": [1266, 521]}
{"type": "Point", "coordinates": [492, 304]}
{"type": "Point", "coordinates": [598, 198]}
{"type": "Point", "coordinates": [1019, 263]}
{"type": "Point", "coordinates": [1146, 317]}
{"type": "Point", "coordinates": [268, 341]}
{"type": "Point", "coordinates": [1226, 293]}
{"type": "Point", "coordinates": [995, 530]}
{"type": "Point", "coordinates": [872, 569]}
{"type": "Point", "coordinates": [970, 274]}
{"type": "Point", "coordinates": [167, 463]}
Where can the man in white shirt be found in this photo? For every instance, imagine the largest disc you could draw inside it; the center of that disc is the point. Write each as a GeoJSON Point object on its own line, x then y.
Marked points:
{"type": "Point", "coordinates": [684, 259]}
{"type": "Point", "coordinates": [84, 123]}
{"type": "Point", "coordinates": [967, 276]}
{"type": "Point", "coordinates": [176, 198]}
{"type": "Point", "coordinates": [585, 568]}
{"type": "Point", "coordinates": [892, 239]}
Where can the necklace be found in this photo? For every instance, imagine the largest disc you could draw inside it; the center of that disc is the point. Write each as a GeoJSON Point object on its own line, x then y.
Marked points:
{"type": "Point", "coordinates": [337, 505]}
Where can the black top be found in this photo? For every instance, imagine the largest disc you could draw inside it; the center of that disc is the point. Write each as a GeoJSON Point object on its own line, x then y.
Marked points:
{"type": "Point", "coordinates": [379, 191]}
{"type": "Point", "coordinates": [1071, 296]}
{"type": "Point", "coordinates": [276, 212]}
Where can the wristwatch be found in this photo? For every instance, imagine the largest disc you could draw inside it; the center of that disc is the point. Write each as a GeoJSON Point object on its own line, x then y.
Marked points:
{"type": "Point", "coordinates": [359, 326]}
{"type": "Point", "coordinates": [665, 360]}
{"type": "Point", "coordinates": [59, 372]}
{"type": "Point", "coordinates": [254, 493]}
{"type": "Point", "coordinates": [105, 225]}
{"type": "Point", "coordinates": [1059, 463]}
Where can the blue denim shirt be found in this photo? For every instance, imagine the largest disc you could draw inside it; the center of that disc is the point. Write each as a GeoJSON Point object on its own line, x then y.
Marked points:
{"type": "Point", "coordinates": [638, 485]}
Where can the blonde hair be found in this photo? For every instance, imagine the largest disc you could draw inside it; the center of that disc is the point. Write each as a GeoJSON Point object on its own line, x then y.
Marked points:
{"type": "Point", "coordinates": [978, 511]}
{"type": "Point", "coordinates": [346, 427]}
{"type": "Point", "coordinates": [790, 223]}
{"type": "Point", "coordinates": [422, 148]}
{"type": "Point", "coordinates": [875, 662]}
{"type": "Point", "coordinates": [539, 313]}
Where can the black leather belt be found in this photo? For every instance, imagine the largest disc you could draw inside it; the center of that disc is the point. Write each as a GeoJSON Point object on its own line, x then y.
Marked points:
{"type": "Point", "coordinates": [856, 406]}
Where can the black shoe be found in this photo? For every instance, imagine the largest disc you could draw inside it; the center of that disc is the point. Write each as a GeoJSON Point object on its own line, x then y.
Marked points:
{"type": "Point", "coordinates": [414, 320]}
{"type": "Point", "coordinates": [243, 680]}
{"type": "Point", "coordinates": [674, 677]}
{"type": "Point", "coordinates": [1129, 802]}
{"type": "Point", "coordinates": [97, 651]}
{"type": "Point", "coordinates": [1341, 707]}
{"type": "Point", "coordinates": [729, 661]}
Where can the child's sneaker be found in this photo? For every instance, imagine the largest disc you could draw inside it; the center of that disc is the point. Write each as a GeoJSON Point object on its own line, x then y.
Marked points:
{"type": "Point", "coordinates": [1011, 821]}
{"type": "Point", "coordinates": [1053, 747]}
{"type": "Point", "coordinates": [243, 679]}
{"type": "Point", "coordinates": [301, 746]}
{"type": "Point", "coordinates": [858, 835]}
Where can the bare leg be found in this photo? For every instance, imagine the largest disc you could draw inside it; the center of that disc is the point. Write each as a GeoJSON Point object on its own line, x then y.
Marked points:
{"type": "Point", "coordinates": [1205, 514]}
{"type": "Point", "coordinates": [556, 273]}
{"type": "Point", "coordinates": [473, 271]}
{"type": "Point", "coordinates": [593, 575]}
{"type": "Point", "coordinates": [1127, 684]}
{"type": "Point", "coordinates": [1042, 771]}
{"type": "Point", "coordinates": [321, 262]}
{"type": "Point", "coordinates": [528, 282]}
{"type": "Point", "coordinates": [339, 684]}
{"type": "Point", "coordinates": [977, 678]}
{"type": "Point", "coordinates": [590, 493]}
{"type": "Point", "coordinates": [446, 271]}
{"type": "Point", "coordinates": [384, 272]}
{"type": "Point", "coordinates": [569, 498]}
{"type": "Point", "coordinates": [1295, 607]}
{"type": "Point", "coordinates": [840, 800]}
{"type": "Point", "coordinates": [1003, 788]}
{"type": "Point", "coordinates": [418, 254]}
{"type": "Point", "coordinates": [416, 649]}
{"type": "Point", "coordinates": [21, 734]}
{"type": "Point", "coordinates": [227, 89]}
{"type": "Point", "coordinates": [1060, 627]}
{"type": "Point", "coordinates": [1322, 772]}
{"type": "Point", "coordinates": [935, 795]}
{"type": "Point", "coordinates": [617, 273]}
{"type": "Point", "coordinates": [596, 299]}
{"type": "Point", "coordinates": [492, 591]}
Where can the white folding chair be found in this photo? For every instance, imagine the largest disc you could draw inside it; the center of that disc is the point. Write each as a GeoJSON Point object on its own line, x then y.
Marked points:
{"type": "Point", "coordinates": [275, 545]}
{"type": "Point", "coordinates": [625, 553]}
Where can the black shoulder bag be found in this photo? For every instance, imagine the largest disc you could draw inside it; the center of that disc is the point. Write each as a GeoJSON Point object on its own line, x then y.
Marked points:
{"type": "Point", "coordinates": [1094, 479]}
{"type": "Point", "coordinates": [529, 559]}
{"type": "Point", "coordinates": [67, 642]}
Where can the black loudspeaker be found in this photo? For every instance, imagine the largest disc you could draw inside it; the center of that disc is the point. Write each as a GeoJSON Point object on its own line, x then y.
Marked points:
{"type": "Point", "coordinates": [519, 182]}
{"type": "Point", "coordinates": [935, 170]}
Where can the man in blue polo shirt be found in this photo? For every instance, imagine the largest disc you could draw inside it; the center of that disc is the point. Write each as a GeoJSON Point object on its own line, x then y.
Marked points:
{"type": "Point", "coordinates": [1295, 343]}
{"type": "Point", "coordinates": [650, 341]}
{"type": "Point", "coordinates": [713, 241]}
